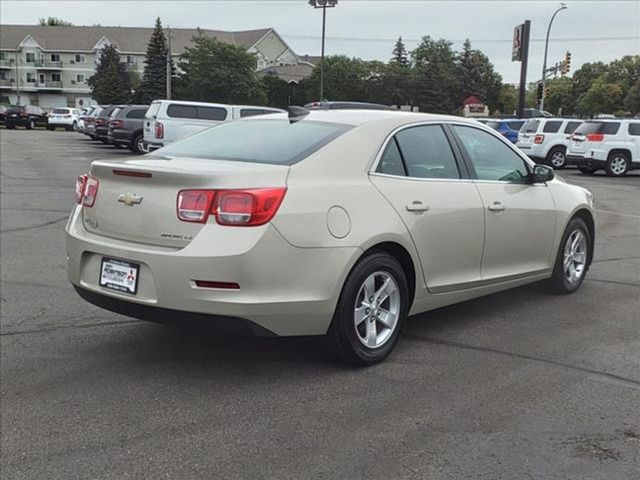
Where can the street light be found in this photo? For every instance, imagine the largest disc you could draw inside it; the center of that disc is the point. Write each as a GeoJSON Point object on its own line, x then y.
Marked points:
{"type": "Point", "coordinates": [563, 6]}
{"type": "Point", "coordinates": [323, 4]}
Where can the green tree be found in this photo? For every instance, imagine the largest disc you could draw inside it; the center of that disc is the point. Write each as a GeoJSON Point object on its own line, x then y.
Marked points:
{"type": "Point", "coordinates": [507, 100]}
{"type": "Point", "coordinates": [435, 83]}
{"type": "Point", "coordinates": [277, 91]}
{"type": "Point", "coordinates": [400, 56]}
{"type": "Point", "coordinates": [602, 97]}
{"type": "Point", "coordinates": [476, 76]}
{"type": "Point", "coordinates": [214, 71]}
{"type": "Point", "coordinates": [154, 79]}
{"type": "Point", "coordinates": [632, 100]}
{"type": "Point", "coordinates": [584, 77]}
{"type": "Point", "coordinates": [54, 22]}
{"type": "Point", "coordinates": [560, 96]}
{"type": "Point", "coordinates": [112, 81]}
{"type": "Point", "coordinates": [344, 79]}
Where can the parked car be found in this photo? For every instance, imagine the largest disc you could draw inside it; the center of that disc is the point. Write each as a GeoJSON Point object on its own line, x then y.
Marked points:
{"type": "Point", "coordinates": [27, 116]}
{"type": "Point", "coordinates": [612, 145]}
{"type": "Point", "coordinates": [333, 223]}
{"type": "Point", "coordinates": [3, 110]}
{"type": "Point", "coordinates": [347, 105]}
{"type": "Point", "coordinates": [169, 120]}
{"type": "Point", "coordinates": [81, 118]}
{"type": "Point", "coordinates": [545, 140]}
{"type": "Point", "coordinates": [102, 123]}
{"type": "Point", "coordinates": [90, 121]}
{"type": "Point", "coordinates": [508, 128]}
{"type": "Point", "coordinates": [126, 128]}
{"type": "Point", "coordinates": [63, 117]}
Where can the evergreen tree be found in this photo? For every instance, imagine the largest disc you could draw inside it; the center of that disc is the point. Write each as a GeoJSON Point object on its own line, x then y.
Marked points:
{"type": "Point", "coordinates": [112, 81]}
{"type": "Point", "coordinates": [400, 56]}
{"type": "Point", "coordinates": [54, 22]}
{"type": "Point", "coordinates": [435, 83]}
{"type": "Point", "coordinates": [154, 79]}
{"type": "Point", "coordinates": [476, 76]}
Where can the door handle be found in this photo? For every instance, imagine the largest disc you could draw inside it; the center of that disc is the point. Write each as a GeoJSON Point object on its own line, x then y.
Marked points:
{"type": "Point", "coordinates": [496, 207]}
{"type": "Point", "coordinates": [417, 206]}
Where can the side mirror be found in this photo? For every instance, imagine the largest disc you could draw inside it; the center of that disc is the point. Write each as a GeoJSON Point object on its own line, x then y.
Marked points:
{"type": "Point", "coordinates": [542, 174]}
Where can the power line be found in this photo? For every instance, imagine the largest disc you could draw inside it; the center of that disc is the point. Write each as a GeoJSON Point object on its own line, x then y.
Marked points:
{"type": "Point", "coordinates": [481, 40]}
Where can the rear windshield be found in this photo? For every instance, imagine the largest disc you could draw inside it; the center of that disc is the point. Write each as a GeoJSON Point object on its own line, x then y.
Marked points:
{"type": "Point", "coordinates": [606, 128]}
{"type": "Point", "coordinates": [276, 142]}
{"type": "Point", "coordinates": [531, 126]}
{"type": "Point", "coordinates": [515, 125]}
{"type": "Point", "coordinates": [60, 110]}
{"type": "Point", "coordinates": [15, 109]}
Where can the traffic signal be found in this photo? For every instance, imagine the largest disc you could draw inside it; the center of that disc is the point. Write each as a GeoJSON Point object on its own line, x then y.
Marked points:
{"type": "Point", "coordinates": [566, 63]}
{"type": "Point", "coordinates": [539, 91]}
{"type": "Point", "coordinates": [546, 92]}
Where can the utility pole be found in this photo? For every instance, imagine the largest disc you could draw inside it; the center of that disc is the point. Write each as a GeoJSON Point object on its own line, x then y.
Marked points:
{"type": "Point", "coordinates": [168, 63]}
{"type": "Point", "coordinates": [524, 58]}
{"type": "Point", "coordinates": [546, 49]}
{"type": "Point", "coordinates": [323, 4]}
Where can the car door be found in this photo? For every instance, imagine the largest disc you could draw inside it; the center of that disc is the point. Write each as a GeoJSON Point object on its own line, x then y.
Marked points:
{"type": "Point", "coordinates": [520, 217]}
{"type": "Point", "coordinates": [428, 186]}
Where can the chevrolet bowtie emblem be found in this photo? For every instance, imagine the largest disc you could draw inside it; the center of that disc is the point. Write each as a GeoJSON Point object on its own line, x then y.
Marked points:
{"type": "Point", "coordinates": [130, 199]}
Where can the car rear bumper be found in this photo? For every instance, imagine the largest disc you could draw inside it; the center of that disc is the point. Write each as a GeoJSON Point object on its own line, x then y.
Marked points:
{"type": "Point", "coordinates": [150, 146]}
{"type": "Point", "coordinates": [589, 162]}
{"type": "Point", "coordinates": [283, 289]}
{"type": "Point", "coordinates": [61, 122]}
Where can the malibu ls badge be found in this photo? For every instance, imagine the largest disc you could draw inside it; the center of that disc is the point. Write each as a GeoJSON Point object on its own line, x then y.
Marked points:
{"type": "Point", "coordinates": [130, 199]}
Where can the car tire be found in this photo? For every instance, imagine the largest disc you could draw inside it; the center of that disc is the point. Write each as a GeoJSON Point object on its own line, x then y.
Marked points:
{"type": "Point", "coordinates": [31, 124]}
{"type": "Point", "coordinates": [586, 170]}
{"type": "Point", "coordinates": [574, 257]}
{"type": "Point", "coordinates": [368, 320]}
{"type": "Point", "coordinates": [556, 158]}
{"type": "Point", "coordinates": [74, 127]}
{"type": "Point", "coordinates": [617, 164]}
{"type": "Point", "coordinates": [136, 145]}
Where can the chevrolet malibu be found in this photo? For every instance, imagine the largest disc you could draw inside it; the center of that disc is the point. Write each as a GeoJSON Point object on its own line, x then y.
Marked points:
{"type": "Point", "coordinates": [331, 223]}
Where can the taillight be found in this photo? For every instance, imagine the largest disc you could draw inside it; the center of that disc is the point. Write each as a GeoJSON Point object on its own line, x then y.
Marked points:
{"type": "Point", "coordinates": [86, 190]}
{"type": "Point", "coordinates": [116, 123]}
{"type": "Point", "coordinates": [595, 137]}
{"type": "Point", "coordinates": [159, 130]}
{"type": "Point", "coordinates": [538, 139]}
{"type": "Point", "coordinates": [242, 208]}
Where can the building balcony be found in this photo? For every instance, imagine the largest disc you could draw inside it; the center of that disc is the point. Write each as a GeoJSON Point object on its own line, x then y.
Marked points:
{"type": "Point", "coordinates": [49, 85]}
{"type": "Point", "coordinates": [47, 65]}
{"type": "Point", "coordinates": [7, 83]}
{"type": "Point", "coordinates": [8, 63]}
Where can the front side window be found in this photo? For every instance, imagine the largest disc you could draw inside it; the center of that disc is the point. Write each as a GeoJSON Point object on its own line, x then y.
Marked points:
{"type": "Point", "coordinates": [426, 152]}
{"type": "Point", "coordinates": [491, 157]}
{"type": "Point", "coordinates": [551, 127]}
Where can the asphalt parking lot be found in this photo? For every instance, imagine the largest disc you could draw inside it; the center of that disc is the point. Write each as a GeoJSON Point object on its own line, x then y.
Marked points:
{"type": "Point", "coordinates": [518, 385]}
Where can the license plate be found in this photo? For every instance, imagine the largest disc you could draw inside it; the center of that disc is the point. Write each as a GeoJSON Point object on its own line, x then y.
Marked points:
{"type": "Point", "coordinates": [119, 275]}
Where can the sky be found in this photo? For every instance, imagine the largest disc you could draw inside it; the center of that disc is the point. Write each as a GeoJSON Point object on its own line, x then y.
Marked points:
{"type": "Point", "coordinates": [591, 30]}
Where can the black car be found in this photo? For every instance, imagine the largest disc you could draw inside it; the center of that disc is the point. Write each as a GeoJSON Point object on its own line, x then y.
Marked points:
{"type": "Point", "coordinates": [125, 128]}
{"type": "Point", "coordinates": [102, 123]}
{"type": "Point", "coordinates": [25, 116]}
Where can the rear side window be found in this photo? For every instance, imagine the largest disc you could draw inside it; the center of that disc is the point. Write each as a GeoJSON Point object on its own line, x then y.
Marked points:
{"type": "Point", "coordinates": [551, 127]}
{"type": "Point", "coordinates": [250, 112]}
{"type": "Point", "coordinates": [634, 129]}
{"type": "Point", "coordinates": [426, 152]}
{"type": "Point", "coordinates": [571, 127]}
{"type": "Point", "coordinates": [136, 113]}
{"type": "Point", "coordinates": [531, 126]}
{"type": "Point", "coordinates": [391, 160]}
{"type": "Point", "coordinates": [276, 142]}
{"type": "Point", "coordinates": [153, 110]}
{"type": "Point", "coordinates": [606, 128]}
{"type": "Point", "coordinates": [181, 111]}
{"type": "Point", "coordinates": [515, 125]}
{"type": "Point", "coordinates": [211, 113]}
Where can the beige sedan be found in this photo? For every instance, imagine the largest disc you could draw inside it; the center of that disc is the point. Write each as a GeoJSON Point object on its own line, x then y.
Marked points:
{"type": "Point", "coordinates": [332, 223]}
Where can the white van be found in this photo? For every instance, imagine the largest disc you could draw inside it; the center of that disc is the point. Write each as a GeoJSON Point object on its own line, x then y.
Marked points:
{"type": "Point", "coordinates": [169, 120]}
{"type": "Point", "coordinates": [545, 140]}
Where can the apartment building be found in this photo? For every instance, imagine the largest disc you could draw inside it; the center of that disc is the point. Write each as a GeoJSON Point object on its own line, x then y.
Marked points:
{"type": "Point", "coordinates": [49, 65]}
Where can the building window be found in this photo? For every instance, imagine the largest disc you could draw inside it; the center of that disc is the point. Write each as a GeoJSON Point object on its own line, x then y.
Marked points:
{"type": "Point", "coordinates": [79, 58]}
{"type": "Point", "coordinates": [55, 77]}
{"type": "Point", "coordinates": [31, 78]}
{"type": "Point", "coordinates": [260, 64]}
{"type": "Point", "coordinates": [30, 57]}
{"type": "Point", "coordinates": [3, 75]}
{"type": "Point", "coordinates": [2, 56]}
{"type": "Point", "coordinates": [80, 78]}
{"type": "Point", "coordinates": [55, 57]}
{"type": "Point", "coordinates": [130, 60]}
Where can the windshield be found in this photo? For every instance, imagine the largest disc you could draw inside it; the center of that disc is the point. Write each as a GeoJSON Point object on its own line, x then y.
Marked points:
{"type": "Point", "coordinates": [607, 128]}
{"type": "Point", "coordinates": [277, 142]}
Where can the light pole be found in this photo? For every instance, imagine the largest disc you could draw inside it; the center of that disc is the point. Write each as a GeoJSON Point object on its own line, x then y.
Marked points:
{"type": "Point", "coordinates": [546, 48]}
{"type": "Point", "coordinates": [323, 4]}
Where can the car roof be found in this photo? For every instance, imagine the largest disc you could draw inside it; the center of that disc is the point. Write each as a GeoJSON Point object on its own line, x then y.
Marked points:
{"type": "Point", "coordinates": [358, 117]}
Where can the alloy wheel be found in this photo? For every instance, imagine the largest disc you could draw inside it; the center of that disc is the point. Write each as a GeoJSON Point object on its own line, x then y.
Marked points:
{"type": "Point", "coordinates": [575, 256]}
{"type": "Point", "coordinates": [557, 159]}
{"type": "Point", "coordinates": [377, 309]}
{"type": "Point", "coordinates": [618, 165]}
